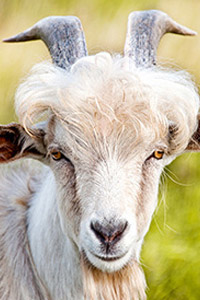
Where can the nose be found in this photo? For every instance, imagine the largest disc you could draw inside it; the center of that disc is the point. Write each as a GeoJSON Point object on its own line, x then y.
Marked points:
{"type": "Point", "coordinates": [108, 234]}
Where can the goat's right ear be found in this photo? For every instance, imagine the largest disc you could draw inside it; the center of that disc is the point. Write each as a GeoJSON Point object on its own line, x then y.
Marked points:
{"type": "Point", "coordinates": [194, 143]}
{"type": "Point", "coordinates": [16, 143]}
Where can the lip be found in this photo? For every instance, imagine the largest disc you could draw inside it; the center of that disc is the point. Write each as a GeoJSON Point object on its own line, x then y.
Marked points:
{"type": "Point", "coordinates": [107, 258]}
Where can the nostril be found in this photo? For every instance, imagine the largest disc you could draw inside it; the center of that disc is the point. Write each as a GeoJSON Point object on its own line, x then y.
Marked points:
{"type": "Point", "coordinates": [108, 234]}
{"type": "Point", "coordinates": [98, 230]}
{"type": "Point", "coordinates": [119, 230]}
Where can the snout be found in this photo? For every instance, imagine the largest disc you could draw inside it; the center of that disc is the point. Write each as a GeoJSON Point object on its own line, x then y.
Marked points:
{"type": "Point", "coordinates": [108, 234]}
{"type": "Point", "coordinates": [107, 243]}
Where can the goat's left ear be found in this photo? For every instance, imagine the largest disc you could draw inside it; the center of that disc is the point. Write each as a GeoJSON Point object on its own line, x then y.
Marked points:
{"type": "Point", "coordinates": [194, 143]}
{"type": "Point", "coordinates": [16, 143]}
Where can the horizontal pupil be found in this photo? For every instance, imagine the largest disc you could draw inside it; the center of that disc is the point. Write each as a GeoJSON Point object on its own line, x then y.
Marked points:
{"type": "Point", "coordinates": [56, 155]}
{"type": "Point", "coordinates": [158, 154]}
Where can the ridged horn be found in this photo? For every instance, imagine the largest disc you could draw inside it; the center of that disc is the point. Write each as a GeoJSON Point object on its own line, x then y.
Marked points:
{"type": "Point", "coordinates": [63, 37]}
{"type": "Point", "coordinates": [145, 29]}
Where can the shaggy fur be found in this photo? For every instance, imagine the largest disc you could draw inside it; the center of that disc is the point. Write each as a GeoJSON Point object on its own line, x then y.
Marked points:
{"type": "Point", "coordinates": [101, 95]}
{"type": "Point", "coordinates": [18, 276]}
{"type": "Point", "coordinates": [128, 283]}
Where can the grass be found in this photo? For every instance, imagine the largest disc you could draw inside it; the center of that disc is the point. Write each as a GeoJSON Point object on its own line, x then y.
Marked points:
{"type": "Point", "coordinates": [171, 250]}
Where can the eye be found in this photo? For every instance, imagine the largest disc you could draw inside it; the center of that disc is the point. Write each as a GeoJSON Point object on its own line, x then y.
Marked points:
{"type": "Point", "coordinates": [158, 154]}
{"type": "Point", "coordinates": [56, 155]}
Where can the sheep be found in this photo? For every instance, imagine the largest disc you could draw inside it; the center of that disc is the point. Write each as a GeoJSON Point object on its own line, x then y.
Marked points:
{"type": "Point", "coordinates": [98, 131]}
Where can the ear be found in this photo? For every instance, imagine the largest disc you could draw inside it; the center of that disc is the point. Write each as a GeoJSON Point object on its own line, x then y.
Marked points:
{"type": "Point", "coordinates": [16, 143]}
{"type": "Point", "coordinates": [194, 143]}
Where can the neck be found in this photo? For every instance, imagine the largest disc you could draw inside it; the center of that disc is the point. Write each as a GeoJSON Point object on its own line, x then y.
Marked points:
{"type": "Point", "coordinates": [55, 256]}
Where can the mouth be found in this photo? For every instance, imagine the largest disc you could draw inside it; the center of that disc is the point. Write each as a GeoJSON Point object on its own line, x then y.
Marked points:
{"type": "Point", "coordinates": [108, 258]}
{"type": "Point", "coordinates": [106, 263]}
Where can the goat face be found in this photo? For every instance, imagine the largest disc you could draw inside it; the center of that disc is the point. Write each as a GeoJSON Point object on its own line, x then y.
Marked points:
{"type": "Point", "coordinates": [107, 153]}
{"type": "Point", "coordinates": [106, 192]}
{"type": "Point", "coordinates": [106, 142]}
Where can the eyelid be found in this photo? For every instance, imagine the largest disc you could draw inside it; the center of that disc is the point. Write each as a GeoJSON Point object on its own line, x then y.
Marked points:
{"type": "Point", "coordinates": [54, 149]}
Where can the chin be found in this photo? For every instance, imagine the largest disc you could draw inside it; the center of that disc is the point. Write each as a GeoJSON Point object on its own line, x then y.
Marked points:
{"type": "Point", "coordinates": [108, 263]}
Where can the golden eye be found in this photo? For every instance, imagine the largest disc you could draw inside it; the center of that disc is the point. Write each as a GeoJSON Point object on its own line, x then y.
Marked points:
{"type": "Point", "coordinates": [158, 154]}
{"type": "Point", "coordinates": [56, 155]}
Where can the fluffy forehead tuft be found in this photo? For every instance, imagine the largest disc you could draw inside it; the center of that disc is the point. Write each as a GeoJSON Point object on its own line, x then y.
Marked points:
{"type": "Point", "coordinates": [105, 97]}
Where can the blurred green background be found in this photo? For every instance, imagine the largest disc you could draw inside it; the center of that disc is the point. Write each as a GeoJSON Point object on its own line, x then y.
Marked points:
{"type": "Point", "coordinates": [171, 252]}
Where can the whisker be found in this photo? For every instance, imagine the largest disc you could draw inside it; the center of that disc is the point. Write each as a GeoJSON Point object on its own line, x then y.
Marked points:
{"type": "Point", "coordinates": [174, 180]}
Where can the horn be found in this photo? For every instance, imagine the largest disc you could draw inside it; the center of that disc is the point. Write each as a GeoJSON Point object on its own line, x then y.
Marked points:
{"type": "Point", "coordinates": [63, 37]}
{"type": "Point", "coordinates": [145, 29]}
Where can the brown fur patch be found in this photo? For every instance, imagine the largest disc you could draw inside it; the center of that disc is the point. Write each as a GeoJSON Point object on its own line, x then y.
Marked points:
{"type": "Point", "coordinates": [127, 283]}
{"type": "Point", "coordinates": [22, 202]}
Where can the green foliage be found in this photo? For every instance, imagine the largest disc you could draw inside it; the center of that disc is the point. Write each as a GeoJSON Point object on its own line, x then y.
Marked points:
{"type": "Point", "coordinates": [171, 250]}
{"type": "Point", "coordinates": [170, 253]}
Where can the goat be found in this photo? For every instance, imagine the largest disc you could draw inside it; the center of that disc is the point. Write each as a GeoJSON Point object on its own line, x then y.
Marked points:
{"type": "Point", "coordinates": [102, 128]}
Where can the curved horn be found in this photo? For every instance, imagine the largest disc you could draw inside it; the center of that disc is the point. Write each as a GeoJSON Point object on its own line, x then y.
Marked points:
{"type": "Point", "coordinates": [145, 29]}
{"type": "Point", "coordinates": [63, 37]}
